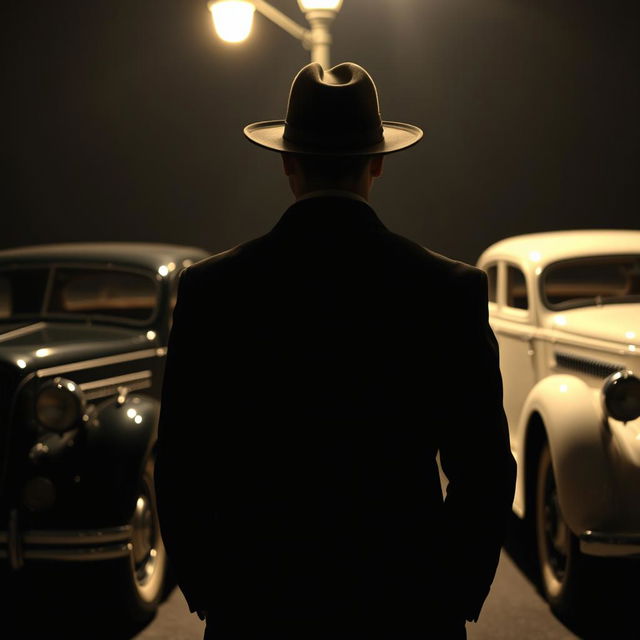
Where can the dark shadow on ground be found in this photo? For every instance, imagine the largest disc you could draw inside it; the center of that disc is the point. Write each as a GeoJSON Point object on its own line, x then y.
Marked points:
{"type": "Point", "coordinates": [610, 611]}
{"type": "Point", "coordinates": [70, 603]}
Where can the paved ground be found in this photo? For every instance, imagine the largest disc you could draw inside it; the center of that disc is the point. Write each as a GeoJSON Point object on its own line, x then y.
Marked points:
{"type": "Point", "coordinates": [513, 611]}
{"type": "Point", "coordinates": [41, 605]}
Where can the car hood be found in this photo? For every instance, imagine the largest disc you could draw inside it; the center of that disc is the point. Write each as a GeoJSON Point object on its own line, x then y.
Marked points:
{"type": "Point", "coordinates": [36, 345]}
{"type": "Point", "coordinates": [611, 322]}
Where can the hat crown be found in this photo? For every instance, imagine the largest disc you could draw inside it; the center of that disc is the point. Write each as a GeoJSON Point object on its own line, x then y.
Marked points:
{"type": "Point", "coordinates": [336, 109]}
{"type": "Point", "coordinates": [333, 113]}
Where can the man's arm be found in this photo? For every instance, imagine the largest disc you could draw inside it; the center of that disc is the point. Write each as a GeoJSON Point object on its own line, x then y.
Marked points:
{"type": "Point", "coordinates": [180, 466]}
{"type": "Point", "coordinates": [475, 452]}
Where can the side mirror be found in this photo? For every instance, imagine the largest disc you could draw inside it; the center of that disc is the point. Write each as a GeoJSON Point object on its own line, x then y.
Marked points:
{"type": "Point", "coordinates": [621, 396]}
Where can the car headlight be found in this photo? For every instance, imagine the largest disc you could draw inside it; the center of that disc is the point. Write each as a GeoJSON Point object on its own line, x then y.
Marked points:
{"type": "Point", "coordinates": [621, 396]}
{"type": "Point", "coordinates": [60, 405]}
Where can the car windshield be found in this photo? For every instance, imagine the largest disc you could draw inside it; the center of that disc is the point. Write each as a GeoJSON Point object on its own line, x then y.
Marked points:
{"type": "Point", "coordinates": [68, 292]}
{"type": "Point", "coordinates": [590, 281]}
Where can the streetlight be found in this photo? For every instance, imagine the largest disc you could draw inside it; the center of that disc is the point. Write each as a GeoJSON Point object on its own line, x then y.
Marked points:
{"type": "Point", "coordinates": [233, 20]}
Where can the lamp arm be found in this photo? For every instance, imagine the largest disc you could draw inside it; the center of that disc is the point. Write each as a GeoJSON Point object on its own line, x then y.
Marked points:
{"type": "Point", "coordinates": [283, 21]}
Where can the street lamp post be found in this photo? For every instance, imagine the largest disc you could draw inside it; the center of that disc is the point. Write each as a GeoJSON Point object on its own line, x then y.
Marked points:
{"type": "Point", "coordinates": [233, 20]}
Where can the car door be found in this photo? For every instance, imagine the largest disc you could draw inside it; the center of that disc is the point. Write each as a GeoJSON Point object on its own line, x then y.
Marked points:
{"type": "Point", "coordinates": [512, 321]}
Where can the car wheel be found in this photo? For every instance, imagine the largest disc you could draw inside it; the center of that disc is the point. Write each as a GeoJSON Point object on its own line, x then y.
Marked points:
{"type": "Point", "coordinates": [563, 568]}
{"type": "Point", "coordinates": [139, 579]}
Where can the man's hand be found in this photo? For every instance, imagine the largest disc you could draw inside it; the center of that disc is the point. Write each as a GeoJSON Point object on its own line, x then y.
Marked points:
{"type": "Point", "coordinates": [202, 614]}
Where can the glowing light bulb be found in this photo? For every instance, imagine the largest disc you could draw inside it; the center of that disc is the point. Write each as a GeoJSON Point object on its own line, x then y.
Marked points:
{"type": "Point", "coordinates": [232, 19]}
{"type": "Point", "coordinates": [307, 5]}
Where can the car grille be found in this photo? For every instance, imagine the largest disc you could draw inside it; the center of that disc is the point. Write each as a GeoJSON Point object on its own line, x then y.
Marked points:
{"type": "Point", "coordinates": [596, 368]}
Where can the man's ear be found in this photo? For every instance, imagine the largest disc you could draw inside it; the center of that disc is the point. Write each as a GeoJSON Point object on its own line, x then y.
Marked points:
{"type": "Point", "coordinates": [375, 168]}
{"type": "Point", "coordinates": [288, 164]}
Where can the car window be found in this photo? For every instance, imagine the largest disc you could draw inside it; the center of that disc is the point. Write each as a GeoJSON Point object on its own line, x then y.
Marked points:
{"type": "Point", "coordinates": [103, 292]}
{"type": "Point", "coordinates": [516, 288]}
{"type": "Point", "coordinates": [22, 292]}
{"type": "Point", "coordinates": [492, 282]}
{"type": "Point", "coordinates": [591, 281]}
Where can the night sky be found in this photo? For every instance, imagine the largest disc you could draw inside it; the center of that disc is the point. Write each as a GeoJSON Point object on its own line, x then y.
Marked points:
{"type": "Point", "coordinates": [123, 119]}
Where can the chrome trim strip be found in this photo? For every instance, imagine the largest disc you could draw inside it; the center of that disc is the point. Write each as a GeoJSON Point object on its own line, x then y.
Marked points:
{"type": "Point", "coordinates": [101, 362]}
{"type": "Point", "coordinates": [117, 380]}
{"type": "Point", "coordinates": [73, 537]}
{"type": "Point", "coordinates": [72, 546]}
{"type": "Point", "coordinates": [621, 538]}
{"type": "Point", "coordinates": [606, 545]}
{"type": "Point", "coordinates": [79, 555]}
{"type": "Point", "coordinates": [109, 386]}
{"type": "Point", "coordinates": [105, 392]}
{"type": "Point", "coordinates": [87, 554]}
{"type": "Point", "coordinates": [22, 331]}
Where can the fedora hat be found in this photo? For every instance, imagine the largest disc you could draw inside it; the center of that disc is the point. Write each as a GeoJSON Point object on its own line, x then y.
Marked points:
{"type": "Point", "coordinates": [334, 112]}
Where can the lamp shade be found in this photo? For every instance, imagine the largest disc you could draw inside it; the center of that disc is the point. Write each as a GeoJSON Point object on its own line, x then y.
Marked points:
{"type": "Point", "coordinates": [232, 19]}
{"type": "Point", "coordinates": [311, 5]}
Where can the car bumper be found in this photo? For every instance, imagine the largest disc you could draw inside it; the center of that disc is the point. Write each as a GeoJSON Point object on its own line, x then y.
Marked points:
{"type": "Point", "coordinates": [619, 545]}
{"type": "Point", "coordinates": [64, 546]}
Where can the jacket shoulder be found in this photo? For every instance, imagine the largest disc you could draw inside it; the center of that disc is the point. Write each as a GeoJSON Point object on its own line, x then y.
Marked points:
{"type": "Point", "coordinates": [223, 263]}
{"type": "Point", "coordinates": [450, 270]}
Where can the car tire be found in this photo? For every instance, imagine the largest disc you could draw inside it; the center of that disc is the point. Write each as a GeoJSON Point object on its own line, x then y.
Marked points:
{"type": "Point", "coordinates": [564, 570]}
{"type": "Point", "coordinates": [138, 581]}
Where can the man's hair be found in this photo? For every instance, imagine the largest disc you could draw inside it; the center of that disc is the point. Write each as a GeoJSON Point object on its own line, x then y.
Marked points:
{"type": "Point", "coordinates": [332, 168]}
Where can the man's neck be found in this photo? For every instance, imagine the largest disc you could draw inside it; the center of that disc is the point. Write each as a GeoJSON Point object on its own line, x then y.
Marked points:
{"type": "Point", "coordinates": [335, 193]}
{"type": "Point", "coordinates": [360, 188]}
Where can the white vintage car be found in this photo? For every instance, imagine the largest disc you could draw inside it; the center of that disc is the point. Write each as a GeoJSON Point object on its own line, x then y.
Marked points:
{"type": "Point", "coordinates": [565, 308]}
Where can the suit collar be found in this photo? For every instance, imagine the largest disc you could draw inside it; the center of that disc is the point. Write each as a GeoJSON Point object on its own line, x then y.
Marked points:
{"type": "Point", "coordinates": [329, 213]}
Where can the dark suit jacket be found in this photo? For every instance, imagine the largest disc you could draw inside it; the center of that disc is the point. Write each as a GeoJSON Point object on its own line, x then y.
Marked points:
{"type": "Point", "coordinates": [312, 376]}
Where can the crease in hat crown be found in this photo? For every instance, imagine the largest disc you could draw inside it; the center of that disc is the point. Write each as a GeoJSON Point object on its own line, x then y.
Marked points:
{"type": "Point", "coordinates": [334, 111]}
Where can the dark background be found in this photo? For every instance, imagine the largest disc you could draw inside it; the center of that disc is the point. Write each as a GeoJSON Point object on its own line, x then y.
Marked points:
{"type": "Point", "coordinates": [124, 119]}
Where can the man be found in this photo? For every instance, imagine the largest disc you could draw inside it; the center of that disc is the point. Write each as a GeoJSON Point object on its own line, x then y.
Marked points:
{"type": "Point", "coordinates": [313, 374]}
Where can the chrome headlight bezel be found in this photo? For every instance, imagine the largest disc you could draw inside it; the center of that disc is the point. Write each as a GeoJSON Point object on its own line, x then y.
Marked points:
{"type": "Point", "coordinates": [621, 396]}
{"type": "Point", "coordinates": [59, 405]}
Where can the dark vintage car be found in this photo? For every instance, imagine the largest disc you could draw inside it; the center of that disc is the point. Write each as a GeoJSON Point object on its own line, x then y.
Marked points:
{"type": "Point", "coordinates": [83, 335]}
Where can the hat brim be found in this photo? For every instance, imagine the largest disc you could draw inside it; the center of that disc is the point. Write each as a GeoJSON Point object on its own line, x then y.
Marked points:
{"type": "Point", "coordinates": [269, 135]}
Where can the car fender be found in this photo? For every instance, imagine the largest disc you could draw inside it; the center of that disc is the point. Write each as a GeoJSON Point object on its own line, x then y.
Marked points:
{"type": "Point", "coordinates": [579, 442]}
{"type": "Point", "coordinates": [120, 437]}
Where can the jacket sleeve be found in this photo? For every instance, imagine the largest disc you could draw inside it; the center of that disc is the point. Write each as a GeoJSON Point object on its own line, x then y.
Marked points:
{"type": "Point", "coordinates": [475, 452]}
{"type": "Point", "coordinates": [186, 526]}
